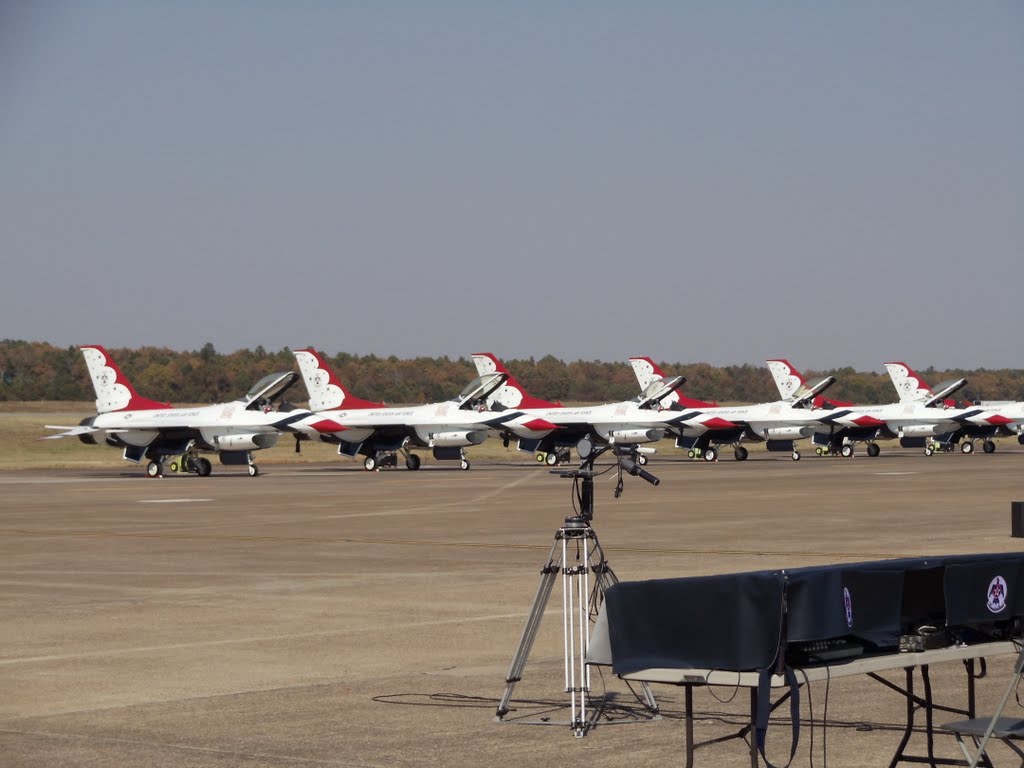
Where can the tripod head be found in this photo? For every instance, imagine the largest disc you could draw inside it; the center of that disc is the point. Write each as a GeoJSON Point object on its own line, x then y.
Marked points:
{"type": "Point", "coordinates": [627, 459]}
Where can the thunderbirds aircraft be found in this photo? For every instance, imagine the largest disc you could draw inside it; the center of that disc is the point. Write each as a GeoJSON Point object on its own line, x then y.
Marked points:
{"type": "Point", "coordinates": [975, 423]}
{"type": "Point", "coordinates": [627, 423]}
{"type": "Point", "coordinates": [151, 430]}
{"type": "Point", "coordinates": [777, 424]}
{"type": "Point", "coordinates": [921, 419]}
{"type": "Point", "coordinates": [379, 433]}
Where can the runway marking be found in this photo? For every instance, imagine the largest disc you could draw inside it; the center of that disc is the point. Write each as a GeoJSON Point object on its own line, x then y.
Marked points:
{"type": "Point", "coordinates": [179, 747]}
{"type": "Point", "coordinates": [471, 501]}
{"type": "Point", "coordinates": [466, 544]}
{"type": "Point", "coordinates": [171, 501]}
{"type": "Point", "coordinates": [259, 639]}
{"type": "Point", "coordinates": [51, 480]}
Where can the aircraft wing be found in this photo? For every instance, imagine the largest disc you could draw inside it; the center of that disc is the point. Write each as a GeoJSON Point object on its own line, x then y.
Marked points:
{"type": "Point", "coordinates": [701, 421]}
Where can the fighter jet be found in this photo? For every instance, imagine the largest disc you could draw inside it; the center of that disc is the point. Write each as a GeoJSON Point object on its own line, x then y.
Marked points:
{"type": "Point", "coordinates": [146, 429]}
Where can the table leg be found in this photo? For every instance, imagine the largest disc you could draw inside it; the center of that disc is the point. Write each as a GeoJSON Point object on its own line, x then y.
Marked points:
{"type": "Point", "coordinates": [909, 729]}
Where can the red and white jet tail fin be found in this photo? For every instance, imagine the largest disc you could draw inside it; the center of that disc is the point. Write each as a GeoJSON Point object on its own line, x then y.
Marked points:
{"type": "Point", "coordinates": [113, 390]}
{"type": "Point", "coordinates": [326, 392]}
{"type": "Point", "coordinates": [909, 386]}
{"type": "Point", "coordinates": [647, 371]}
{"type": "Point", "coordinates": [788, 380]}
{"type": "Point", "coordinates": [912, 389]}
{"type": "Point", "coordinates": [510, 394]}
{"type": "Point", "coordinates": [794, 389]}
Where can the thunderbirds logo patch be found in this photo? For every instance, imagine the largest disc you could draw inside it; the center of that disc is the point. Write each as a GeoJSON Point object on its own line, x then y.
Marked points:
{"type": "Point", "coordinates": [996, 594]}
{"type": "Point", "coordinates": [848, 605]}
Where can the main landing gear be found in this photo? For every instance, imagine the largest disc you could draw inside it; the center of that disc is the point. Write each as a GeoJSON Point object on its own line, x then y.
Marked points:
{"type": "Point", "coordinates": [380, 461]}
{"type": "Point", "coordinates": [968, 446]}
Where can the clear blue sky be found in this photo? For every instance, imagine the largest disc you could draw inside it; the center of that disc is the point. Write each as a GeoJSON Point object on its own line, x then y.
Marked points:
{"type": "Point", "coordinates": [838, 183]}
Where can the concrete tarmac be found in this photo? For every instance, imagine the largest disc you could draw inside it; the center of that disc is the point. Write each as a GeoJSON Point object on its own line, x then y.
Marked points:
{"type": "Point", "coordinates": [323, 615]}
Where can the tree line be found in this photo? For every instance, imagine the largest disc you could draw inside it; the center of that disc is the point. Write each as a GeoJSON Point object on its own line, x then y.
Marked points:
{"type": "Point", "coordinates": [41, 371]}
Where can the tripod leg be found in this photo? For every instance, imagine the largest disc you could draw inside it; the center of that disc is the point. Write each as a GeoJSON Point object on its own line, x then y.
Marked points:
{"type": "Point", "coordinates": [576, 598]}
{"type": "Point", "coordinates": [540, 601]}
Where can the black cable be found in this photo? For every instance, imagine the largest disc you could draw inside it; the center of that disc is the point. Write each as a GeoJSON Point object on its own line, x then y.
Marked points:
{"type": "Point", "coordinates": [711, 690]}
{"type": "Point", "coordinates": [824, 716]}
{"type": "Point", "coordinates": [810, 717]}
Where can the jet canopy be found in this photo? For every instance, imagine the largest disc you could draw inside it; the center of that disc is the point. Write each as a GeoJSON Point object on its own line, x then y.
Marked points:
{"type": "Point", "coordinates": [480, 388]}
{"type": "Point", "coordinates": [944, 390]}
{"type": "Point", "coordinates": [268, 389]}
{"type": "Point", "coordinates": [658, 390]}
{"type": "Point", "coordinates": [811, 392]}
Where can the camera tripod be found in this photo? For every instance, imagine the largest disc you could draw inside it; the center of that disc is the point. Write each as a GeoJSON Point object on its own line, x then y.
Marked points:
{"type": "Point", "coordinates": [576, 553]}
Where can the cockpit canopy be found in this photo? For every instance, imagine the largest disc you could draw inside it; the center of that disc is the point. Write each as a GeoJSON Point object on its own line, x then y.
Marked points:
{"type": "Point", "coordinates": [480, 388]}
{"type": "Point", "coordinates": [269, 388]}
{"type": "Point", "coordinates": [659, 389]}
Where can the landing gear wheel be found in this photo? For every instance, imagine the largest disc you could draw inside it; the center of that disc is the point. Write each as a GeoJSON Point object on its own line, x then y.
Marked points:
{"type": "Point", "coordinates": [988, 446]}
{"type": "Point", "coordinates": [551, 459]}
{"type": "Point", "coordinates": [796, 455]}
{"type": "Point", "coordinates": [710, 454]}
{"type": "Point", "coordinates": [873, 449]}
{"type": "Point", "coordinates": [204, 467]}
{"type": "Point", "coordinates": [740, 453]}
{"type": "Point", "coordinates": [846, 451]}
{"type": "Point", "coordinates": [967, 447]}
{"type": "Point", "coordinates": [154, 469]}
{"type": "Point", "coordinates": [641, 460]}
{"type": "Point", "coordinates": [412, 461]}
{"type": "Point", "coordinates": [929, 451]}
{"type": "Point", "coordinates": [253, 470]}
{"type": "Point", "coordinates": [465, 464]}
{"type": "Point", "coordinates": [370, 464]}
